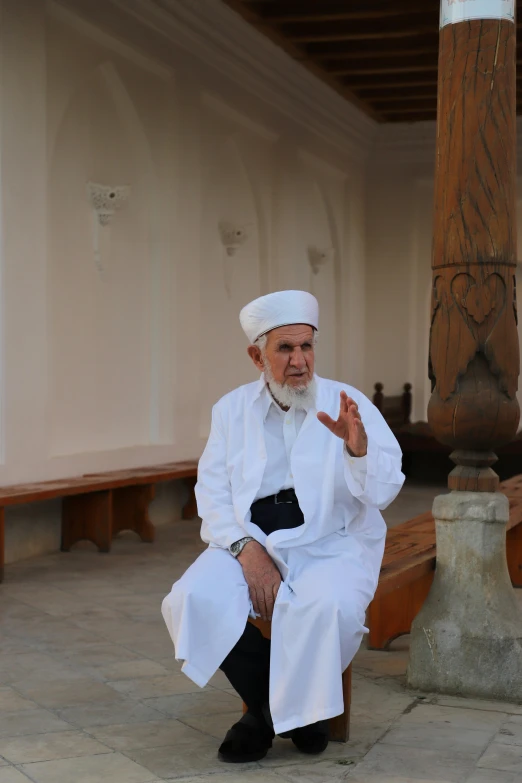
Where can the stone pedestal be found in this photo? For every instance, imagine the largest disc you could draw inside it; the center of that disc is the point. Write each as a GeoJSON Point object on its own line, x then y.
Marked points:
{"type": "Point", "coordinates": [467, 639]}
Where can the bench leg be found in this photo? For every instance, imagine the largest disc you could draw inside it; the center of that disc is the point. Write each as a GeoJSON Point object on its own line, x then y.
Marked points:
{"type": "Point", "coordinates": [392, 615]}
{"type": "Point", "coordinates": [340, 726]}
{"type": "Point", "coordinates": [2, 539]}
{"type": "Point", "coordinates": [87, 518]}
{"type": "Point", "coordinates": [190, 509]}
{"type": "Point", "coordinates": [130, 511]}
{"type": "Point", "coordinates": [514, 555]}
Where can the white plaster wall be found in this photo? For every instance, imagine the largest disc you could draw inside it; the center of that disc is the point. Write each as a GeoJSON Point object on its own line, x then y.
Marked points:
{"type": "Point", "coordinates": [119, 367]}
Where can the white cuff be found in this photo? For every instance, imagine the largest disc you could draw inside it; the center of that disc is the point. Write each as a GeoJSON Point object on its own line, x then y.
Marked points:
{"type": "Point", "coordinates": [357, 467]}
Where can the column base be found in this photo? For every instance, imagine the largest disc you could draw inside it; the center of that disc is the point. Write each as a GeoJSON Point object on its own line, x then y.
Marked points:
{"type": "Point", "coordinates": [467, 638]}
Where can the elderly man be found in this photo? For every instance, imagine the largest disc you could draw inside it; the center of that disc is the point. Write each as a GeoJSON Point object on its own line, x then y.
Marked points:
{"type": "Point", "coordinates": [289, 489]}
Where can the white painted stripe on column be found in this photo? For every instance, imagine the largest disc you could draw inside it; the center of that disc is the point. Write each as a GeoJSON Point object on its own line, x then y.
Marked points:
{"type": "Point", "coordinates": [453, 11]}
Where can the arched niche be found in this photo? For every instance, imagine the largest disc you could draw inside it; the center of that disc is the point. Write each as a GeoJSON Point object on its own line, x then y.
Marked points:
{"type": "Point", "coordinates": [318, 256]}
{"type": "Point", "coordinates": [229, 277]}
{"type": "Point", "coordinates": [103, 385]}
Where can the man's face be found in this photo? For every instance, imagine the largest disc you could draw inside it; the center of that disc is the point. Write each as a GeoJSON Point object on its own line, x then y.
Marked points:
{"type": "Point", "coordinates": [290, 355]}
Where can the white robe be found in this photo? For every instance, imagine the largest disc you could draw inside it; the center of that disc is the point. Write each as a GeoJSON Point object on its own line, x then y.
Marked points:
{"type": "Point", "coordinates": [329, 565]}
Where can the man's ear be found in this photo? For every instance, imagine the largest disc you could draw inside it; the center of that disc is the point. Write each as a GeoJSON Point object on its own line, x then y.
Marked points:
{"type": "Point", "coordinates": [255, 354]}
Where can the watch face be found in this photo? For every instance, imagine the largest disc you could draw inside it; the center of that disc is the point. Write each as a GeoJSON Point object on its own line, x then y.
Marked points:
{"type": "Point", "coordinates": [235, 548]}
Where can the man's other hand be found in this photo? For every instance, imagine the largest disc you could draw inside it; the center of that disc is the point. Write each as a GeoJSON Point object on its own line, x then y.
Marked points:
{"type": "Point", "coordinates": [262, 577]}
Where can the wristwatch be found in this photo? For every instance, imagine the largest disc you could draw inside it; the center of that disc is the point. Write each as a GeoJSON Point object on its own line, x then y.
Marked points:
{"type": "Point", "coordinates": [237, 547]}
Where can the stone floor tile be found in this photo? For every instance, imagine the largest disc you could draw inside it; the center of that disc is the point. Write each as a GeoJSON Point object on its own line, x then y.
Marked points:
{"type": "Point", "coordinates": [154, 687]}
{"type": "Point", "coordinates": [170, 663]}
{"type": "Point", "coordinates": [242, 776]}
{"type": "Point", "coordinates": [49, 633]}
{"type": "Point", "coordinates": [155, 648]}
{"type": "Point", "coordinates": [11, 701]}
{"type": "Point", "coordinates": [10, 646]}
{"type": "Point", "coordinates": [507, 758]}
{"type": "Point", "coordinates": [201, 703]}
{"type": "Point", "coordinates": [220, 681]}
{"type": "Point", "coordinates": [387, 778]}
{"type": "Point", "coordinates": [109, 714]}
{"type": "Point", "coordinates": [318, 772]}
{"type": "Point", "coordinates": [198, 758]}
{"type": "Point", "coordinates": [13, 724]}
{"type": "Point", "coordinates": [434, 736]}
{"type": "Point", "coordinates": [108, 623]}
{"type": "Point", "coordinates": [391, 764]}
{"type": "Point", "coordinates": [131, 670]}
{"type": "Point", "coordinates": [517, 719]}
{"type": "Point", "coordinates": [12, 775]}
{"type": "Point", "coordinates": [215, 725]}
{"type": "Point", "coordinates": [379, 700]}
{"type": "Point", "coordinates": [510, 733]}
{"type": "Point", "coordinates": [458, 718]}
{"type": "Point", "coordinates": [15, 667]}
{"type": "Point", "coordinates": [485, 776]}
{"type": "Point", "coordinates": [152, 734]}
{"type": "Point", "coordinates": [50, 600]}
{"type": "Point", "coordinates": [100, 655]}
{"type": "Point", "coordinates": [479, 704]}
{"type": "Point", "coordinates": [45, 747]}
{"type": "Point", "coordinates": [284, 755]}
{"type": "Point", "coordinates": [106, 768]}
{"type": "Point", "coordinates": [136, 605]}
{"type": "Point", "coordinates": [283, 752]}
{"type": "Point", "coordinates": [69, 693]}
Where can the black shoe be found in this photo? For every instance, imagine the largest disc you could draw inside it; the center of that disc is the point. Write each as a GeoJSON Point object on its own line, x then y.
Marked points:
{"type": "Point", "coordinates": [311, 739]}
{"type": "Point", "coordinates": [249, 739]}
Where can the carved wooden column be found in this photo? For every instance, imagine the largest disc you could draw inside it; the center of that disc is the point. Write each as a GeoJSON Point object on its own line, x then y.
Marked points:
{"type": "Point", "coordinates": [474, 354]}
{"type": "Point", "coordinates": [470, 617]}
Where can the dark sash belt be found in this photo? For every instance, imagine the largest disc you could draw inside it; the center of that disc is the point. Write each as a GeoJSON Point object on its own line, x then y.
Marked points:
{"type": "Point", "coordinates": [277, 512]}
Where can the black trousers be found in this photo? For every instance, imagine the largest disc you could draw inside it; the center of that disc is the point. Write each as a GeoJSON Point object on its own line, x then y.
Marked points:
{"type": "Point", "coordinates": [247, 666]}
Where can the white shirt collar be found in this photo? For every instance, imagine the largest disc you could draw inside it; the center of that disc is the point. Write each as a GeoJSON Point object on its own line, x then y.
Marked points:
{"type": "Point", "coordinates": [268, 401]}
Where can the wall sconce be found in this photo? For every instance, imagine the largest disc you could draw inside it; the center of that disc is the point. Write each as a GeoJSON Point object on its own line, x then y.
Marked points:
{"type": "Point", "coordinates": [232, 237]}
{"type": "Point", "coordinates": [317, 258]}
{"type": "Point", "coordinates": [105, 200]}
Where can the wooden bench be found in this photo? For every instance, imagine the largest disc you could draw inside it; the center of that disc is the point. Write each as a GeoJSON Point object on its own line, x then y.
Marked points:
{"type": "Point", "coordinates": [98, 506]}
{"type": "Point", "coordinates": [409, 565]}
{"type": "Point", "coordinates": [396, 410]}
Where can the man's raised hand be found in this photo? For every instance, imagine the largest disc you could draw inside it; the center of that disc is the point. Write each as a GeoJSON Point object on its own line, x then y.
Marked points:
{"type": "Point", "coordinates": [348, 426]}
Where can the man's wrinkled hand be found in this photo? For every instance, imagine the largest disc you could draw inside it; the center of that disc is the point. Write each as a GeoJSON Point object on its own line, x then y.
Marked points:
{"type": "Point", "coordinates": [262, 577]}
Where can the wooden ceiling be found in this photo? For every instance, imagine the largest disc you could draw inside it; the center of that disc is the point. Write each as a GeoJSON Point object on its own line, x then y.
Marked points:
{"type": "Point", "coordinates": [381, 55]}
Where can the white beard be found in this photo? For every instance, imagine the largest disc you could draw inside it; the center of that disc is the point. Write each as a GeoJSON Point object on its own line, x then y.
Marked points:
{"type": "Point", "coordinates": [287, 396]}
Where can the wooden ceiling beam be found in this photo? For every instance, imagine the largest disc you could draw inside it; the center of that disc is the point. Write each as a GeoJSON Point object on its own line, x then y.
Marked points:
{"type": "Point", "coordinates": [284, 11]}
{"type": "Point", "coordinates": [408, 110]}
{"type": "Point", "coordinates": [363, 35]}
{"type": "Point", "coordinates": [379, 71]}
{"type": "Point", "coordinates": [387, 54]}
{"type": "Point", "coordinates": [345, 16]}
{"type": "Point", "coordinates": [422, 116]}
{"type": "Point", "coordinates": [365, 86]}
{"type": "Point", "coordinates": [380, 99]}
{"type": "Point", "coordinates": [293, 51]}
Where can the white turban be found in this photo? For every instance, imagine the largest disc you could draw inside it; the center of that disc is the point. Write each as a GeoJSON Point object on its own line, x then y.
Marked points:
{"type": "Point", "coordinates": [279, 309]}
